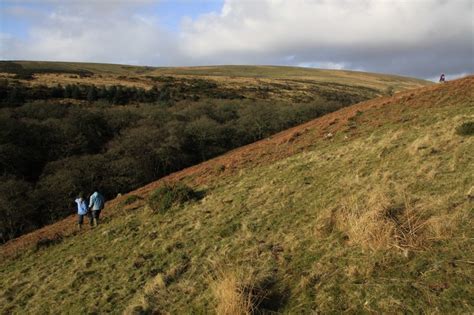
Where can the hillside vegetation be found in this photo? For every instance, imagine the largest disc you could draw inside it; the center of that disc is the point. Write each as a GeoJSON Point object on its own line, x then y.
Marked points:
{"type": "Point", "coordinates": [365, 210]}
{"type": "Point", "coordinates": [69, 127]}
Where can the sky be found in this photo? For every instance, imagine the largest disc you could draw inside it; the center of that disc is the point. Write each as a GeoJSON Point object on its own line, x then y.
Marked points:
{"type": "Point", "coordinates": [419, 38]}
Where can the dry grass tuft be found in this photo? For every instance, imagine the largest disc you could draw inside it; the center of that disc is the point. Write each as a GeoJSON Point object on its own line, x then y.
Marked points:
{"type": "Point", "coordinates": [236, 293]}
{"type": "Point", "coordinates": [410, 227]}
{"type": "Point", "coordinates": [366, 226]}
{"type": "Point", "coordinates": [231, 296]}
{"type": "Point", "coordinates": [381, 223]}
{"type": "Point", "coordinates": [444, 226]}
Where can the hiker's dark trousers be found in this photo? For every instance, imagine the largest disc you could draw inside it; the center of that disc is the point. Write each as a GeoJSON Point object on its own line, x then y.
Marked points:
{"type": "Point", "coordinates": [95, 214]}
{"type": "Point", "coordinates": [80, 218]}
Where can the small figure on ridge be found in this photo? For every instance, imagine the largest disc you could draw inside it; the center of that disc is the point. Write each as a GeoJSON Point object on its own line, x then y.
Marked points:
{"type": "Point", "coordinates": [442, 78]}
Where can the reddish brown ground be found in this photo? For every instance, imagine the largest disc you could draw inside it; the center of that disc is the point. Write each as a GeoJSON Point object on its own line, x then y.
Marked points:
{"type": "Point", "coordinates": [272, 149]}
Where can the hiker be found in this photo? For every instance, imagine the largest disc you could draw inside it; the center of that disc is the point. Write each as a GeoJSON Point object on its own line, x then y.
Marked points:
{"type": "Point", "coordinates": [442, 78]}
{"type": "Point", "coordinates": [81, 209]}
{"type": "Point", "coordinates": [96, 204]}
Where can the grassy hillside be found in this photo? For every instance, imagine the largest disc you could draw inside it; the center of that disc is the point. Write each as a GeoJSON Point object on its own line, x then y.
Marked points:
{"type": "Point", "coordinates": [366, 209]}
{"type": "Point", "coordinates": [127, 126]}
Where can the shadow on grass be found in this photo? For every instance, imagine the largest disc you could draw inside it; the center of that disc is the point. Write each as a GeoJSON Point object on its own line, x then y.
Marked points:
{"type": "Point", "coordinates": [271, 295]}
{"type": "Point", "coordinates": [48, 241]}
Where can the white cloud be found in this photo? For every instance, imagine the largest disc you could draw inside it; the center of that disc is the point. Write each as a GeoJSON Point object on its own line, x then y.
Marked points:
{"type": "Point", "coordinates": [325, 65]}
{"type": "Point", "coordinates": [85, 33]}
{"type": "Point", "coordinates": [418, 37]}
{"type": "Point", "coordinates": [376, 35]}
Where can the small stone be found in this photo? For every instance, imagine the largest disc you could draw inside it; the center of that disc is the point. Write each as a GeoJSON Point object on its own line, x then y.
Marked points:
{"type": "Point", "coordinates": [470, 193]}
{"type": "Point", "coordinates": [228, 200]}
{"type": "Point", "coordinates": [407, 253]}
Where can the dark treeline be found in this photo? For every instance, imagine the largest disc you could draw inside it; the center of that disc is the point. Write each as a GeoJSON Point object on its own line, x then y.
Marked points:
{"type": "Point", "coordinates": [50, 150]}
{"type": "Point", "coordinates": [14, 94]}
{"type": "Point", "coordinates": [27, 74]}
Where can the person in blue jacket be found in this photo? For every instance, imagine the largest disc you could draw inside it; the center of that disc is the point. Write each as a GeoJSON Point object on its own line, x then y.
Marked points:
{"type": "Point", "coordinates": [81, 209]}
{"type": "Point", "coordinates": [96, 204]}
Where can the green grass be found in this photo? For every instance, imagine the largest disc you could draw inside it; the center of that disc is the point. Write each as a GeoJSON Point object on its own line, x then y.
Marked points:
{"type": "Point", "coordinates": [316, 227]}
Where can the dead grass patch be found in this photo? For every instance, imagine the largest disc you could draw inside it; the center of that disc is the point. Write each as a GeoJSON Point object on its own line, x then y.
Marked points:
{"type": "Point", "coordinates": [247, 292]}
{"type": "Point", "coordinates": [383, 223]}
{"type": "Point", "coordinates": [444, 226]}
{"type": "Point", "coordinates": [233, 293]}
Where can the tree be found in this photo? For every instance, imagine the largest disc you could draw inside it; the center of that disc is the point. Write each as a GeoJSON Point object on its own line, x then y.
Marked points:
{"type": "Point", "coordinates": [75, 92]}
{"type": "Point", "coordinates": [91, 93]}
{"type": "Point", "coordinates": [111, 93]}
{"type": "Point", "coordinates": [57, 91]}
{"type": "Point", "coordinates": [16, 208]}
{"type": "Point", "coordinates": [16, 97]}
{"type": "Point", "coordinates": [202, 137]}
{"type": "Point", "coordinates": [62, 180]}
{"type": "Point", "coordinates": [120, 96]}
{"type": "Point", "coordinates": [68, 91]}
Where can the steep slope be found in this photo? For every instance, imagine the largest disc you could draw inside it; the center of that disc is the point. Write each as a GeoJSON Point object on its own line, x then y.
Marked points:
{"type": "Point", "coordinates": [362, 210]}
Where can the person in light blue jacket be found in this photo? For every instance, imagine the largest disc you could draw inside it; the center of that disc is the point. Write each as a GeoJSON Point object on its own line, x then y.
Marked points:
{"type": "Point", "coordinates": [81, 209]}
{"type": "Point", "coordinates": [96, 204]}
